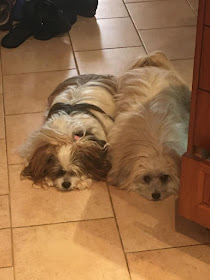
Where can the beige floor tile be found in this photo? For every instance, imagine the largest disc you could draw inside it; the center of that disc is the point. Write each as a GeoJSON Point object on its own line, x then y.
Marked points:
{"type": "Point", "coordinates": [37, 56]}
{"type": "Point", "coordinates": [2, 128]}
{"type": "Point", "coordinates": [26, 93]}
{"type": "Point", "coordinates": [134, 1]}
{"type": "Point", "coordinates": [92, 34]}
{"type": "Point", "coordinates": [113, 61]}
{"type": "Point", "coordinates": [111, 9]}
{"type": "Point", "coordinates": [188, 263]}
{"type": "Point", "coordinates": [4, 212]}
{"type": "Point", "coordinates": [3, 168]}
{"type": "Point", "coordinates": [148, 225]}
{"type": "Point", "coordinates": [161, 14]}
{"type": "Point", "coordinates": [194, 4]}
{"type": "Point", "coordinates": [177, 43]}
{"type": "Point", "coordinates": [19, 127]}
{"type": "Point", "coordinates": [185, 69]}
{"type": "Point", "coordinates": [5, 248]}
{"type": "Point", "coordinates": [53, 206]}
{"type": "Point", "coordinates": [78, 251]}
{"type": "Point", "coordinates": [0, 78]}
{"type": "Point", "coordinates": [6, 273]}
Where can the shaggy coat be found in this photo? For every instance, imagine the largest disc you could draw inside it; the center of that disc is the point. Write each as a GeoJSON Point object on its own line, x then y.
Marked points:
{"type": "Point", "coordinates": [151, 128]}
{"type": "Point", "coordinates": [70, 148]}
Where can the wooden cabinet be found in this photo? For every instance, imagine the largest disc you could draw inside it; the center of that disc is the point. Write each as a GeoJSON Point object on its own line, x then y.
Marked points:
{"type": "Point", "coordinates": [207, 13]}
{"type": "Point", "coordinates": [194, 200]}
{"type": "Point", "coordinates": [204, 80]}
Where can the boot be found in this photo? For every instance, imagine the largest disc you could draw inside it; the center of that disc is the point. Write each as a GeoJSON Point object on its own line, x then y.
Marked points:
{"type": "Point", "coordinates": [86, 8]}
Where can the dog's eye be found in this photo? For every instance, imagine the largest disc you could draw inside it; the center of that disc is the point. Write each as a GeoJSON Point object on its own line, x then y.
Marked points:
{"type": "Point", "coordinates": [147, 178]}
{"type": "Point", "coordinates": [164, 178]}
{"type": "Point", "coordinates": [72, 173]}
{"type": "Point", "coordinates": [61, 173]}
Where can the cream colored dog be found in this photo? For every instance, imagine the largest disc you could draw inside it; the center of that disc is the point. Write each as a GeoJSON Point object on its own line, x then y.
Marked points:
{"type": "Point", "coordinates": [151, 128]}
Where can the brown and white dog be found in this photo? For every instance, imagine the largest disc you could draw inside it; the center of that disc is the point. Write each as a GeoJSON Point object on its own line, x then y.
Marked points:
{"type": "Point", "coordinates": [151, 128]}
{"type": "Point", "coordinates": [70, 149]}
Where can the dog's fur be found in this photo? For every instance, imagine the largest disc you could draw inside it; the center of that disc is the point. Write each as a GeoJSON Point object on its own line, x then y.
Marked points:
{"type": "Point", "coordinates": [151, 128]}
{"type": "Point", "coordinates": [70, 149]}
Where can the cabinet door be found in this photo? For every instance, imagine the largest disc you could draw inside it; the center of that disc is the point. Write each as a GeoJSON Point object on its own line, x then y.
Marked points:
{"type": "Point", "coordinates": [194, 200]}
{"type": "Point", "coordinates": [202, 120]}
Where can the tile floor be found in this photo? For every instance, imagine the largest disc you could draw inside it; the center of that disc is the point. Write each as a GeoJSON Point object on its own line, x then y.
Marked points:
{"type": "Point", "coordinates": [102, 233]}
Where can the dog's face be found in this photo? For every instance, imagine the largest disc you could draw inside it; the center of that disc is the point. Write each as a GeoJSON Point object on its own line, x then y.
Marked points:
{"type": "Point", "coordinates": [158, 176]}
{"type": "Point", "coordinates": [158, 182]}
{"type": "Point", "coordinates": [69, 166]}
{"type": "Point", "coordinates": [153, 175]}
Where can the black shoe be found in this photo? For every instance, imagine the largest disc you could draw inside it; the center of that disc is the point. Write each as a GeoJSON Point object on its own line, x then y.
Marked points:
{"type": "Point", "coordinates": [18, 34]}
{"type": "Point", "coordinates": [87, 8]}
{"type": "Point", "coordinates": [50, 19]}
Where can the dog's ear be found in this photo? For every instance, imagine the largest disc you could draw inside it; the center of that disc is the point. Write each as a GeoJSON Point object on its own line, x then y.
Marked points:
{"type": "Point", "coordinates": [119, 177]}
{"type": "Point", "coordinates": [171, 152]}
{"type": "Point", "coordinates": [101, 143]}
{"type": "Point", "coordinates": [37, 167]}
{"type": "Point", "coordinates": [92, 159]}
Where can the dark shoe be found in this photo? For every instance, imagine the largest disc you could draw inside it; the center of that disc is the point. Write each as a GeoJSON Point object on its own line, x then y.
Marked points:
{"type": "Point", "coordinates": [18, 11]}
{"type": "Point", "coordinates": [86, 8]}
{"type": "Point", "coordinates": [6, 8]}
{"type": "Point", "coordinates": [50, 20]}
{"type": "Point", "coordinates": [17, 35]}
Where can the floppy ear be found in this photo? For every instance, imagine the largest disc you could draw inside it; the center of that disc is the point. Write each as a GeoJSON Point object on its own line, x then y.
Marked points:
{"type": "Point", "coordinates": [92, 158]}
{"type": "Point", "coordinates": [37, 167]}
{"type": "Point", "coordinates": [119, 177]}
{"type": "Point", "coordinates": [101, 143]}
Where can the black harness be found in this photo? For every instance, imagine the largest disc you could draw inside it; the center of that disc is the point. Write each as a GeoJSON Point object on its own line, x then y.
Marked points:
{"type": "Point", "coordinates": [76, 108]}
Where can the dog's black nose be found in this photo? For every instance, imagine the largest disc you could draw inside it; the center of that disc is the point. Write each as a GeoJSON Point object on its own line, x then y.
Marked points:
{"type": "Point", "coordinates": [156, 195]}
{"type": "Point", "coordinates": [66, 185]}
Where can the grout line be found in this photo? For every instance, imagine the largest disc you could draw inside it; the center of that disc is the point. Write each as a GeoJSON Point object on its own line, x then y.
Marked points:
{"type": "Point", "coordinates": [5, 228]}
{"type": "Point", "coordinates": [7, 164]}
{"type": "Point", "coordinates": [177, 59]}
{"type": "Point", "coordinates": [167, 27]}
{"type": "Point", "coordinates": [66, 222]}
{"type": "Point", "coordinates": [191, 6]}
{"type": "Point", "coordinates": [4, 194]}
{"type": "Point", "coordinates": [20, 163]}
{"type": "Point", "coordinates": [145, 1]}
{"type": "Point", "coordinates": [168, 248]}
{"type": "Point", "coordinates": [112, 17]}
{"type": "Point", "coordinates": [75, 59]}
{"type": "Point", "coordinates": [115, 48]}
{"type": "Point", "coordinates": [29, 113]}
{"type": "Point", "coordinates": [142, 42]}
{"type": "Point", "coordinates": [37, 72]}
{"type": "Point", "coordinates": [126, 260]}
{"type": "Point", "coordinates": [2, 267]}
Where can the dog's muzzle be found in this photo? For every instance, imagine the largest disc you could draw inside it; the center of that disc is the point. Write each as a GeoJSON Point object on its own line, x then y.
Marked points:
{"type": "Point", "coordinates": [156, 195]}
{"type": "Point", "coordinates": [66, 185]}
